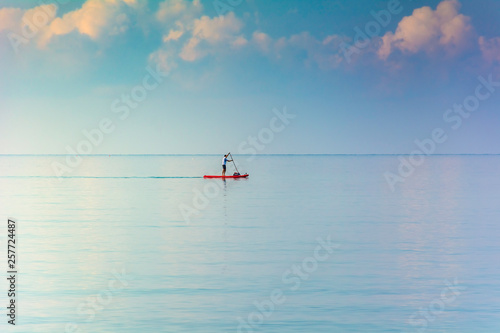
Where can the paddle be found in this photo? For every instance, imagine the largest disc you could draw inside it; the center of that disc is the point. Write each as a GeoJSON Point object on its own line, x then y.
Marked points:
{"type": "Point", "coordinates": [232, 159]}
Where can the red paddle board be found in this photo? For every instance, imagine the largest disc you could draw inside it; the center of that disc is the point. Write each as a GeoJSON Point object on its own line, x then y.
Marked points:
{"type": "Point", "coordinates": [213, 176]}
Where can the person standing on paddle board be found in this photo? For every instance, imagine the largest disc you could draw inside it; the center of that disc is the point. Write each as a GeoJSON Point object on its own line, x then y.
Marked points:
{"type": "Point", "coordinates": [224, 161]}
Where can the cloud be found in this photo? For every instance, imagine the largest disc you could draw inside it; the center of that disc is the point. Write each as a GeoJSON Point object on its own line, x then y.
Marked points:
{"type": "Point", "coordinates": [178, 18]}
{"type": "Point", "coordinates": [27, 22]}
{"type": "Point", "coordinates": [165, 58]}
{"type": "Point", "coordinates": [10, 18]}
{"type": "Point", "coordinates": [208, 34]}
{"type": "Point", "coordinates": [178, 12]}
{"type": "Point", "coordinates": [239, 42]}
{"type": "Point", "coordinates": [95, 18]}
{"type": "Point", "coordinates": [262, 41]}
{"type": "Point", "coordinates": [189, 37]}
{"type": "Point", "coordinates": [323, 53]}
{"type": "Point", "coordinates": [24, 25]}
{"type": "Point", "coordinates": [490, 48]}
{"type": "Point", "coordinates": [217, 29]}
{"type": "Point", "coordinates": [204, 36]}
{"type": "Point", "coordinates": [173, 35]}
{"type": "Point", "coordinates": [429, 31]}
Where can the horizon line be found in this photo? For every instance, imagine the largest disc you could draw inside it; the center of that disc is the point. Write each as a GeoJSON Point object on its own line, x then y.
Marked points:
{"type": "Point", "coordinates": [282, 154]}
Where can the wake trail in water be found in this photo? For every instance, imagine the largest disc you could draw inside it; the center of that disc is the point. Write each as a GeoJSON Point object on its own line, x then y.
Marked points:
{"type": "Point", "coordinates": [101, 177]}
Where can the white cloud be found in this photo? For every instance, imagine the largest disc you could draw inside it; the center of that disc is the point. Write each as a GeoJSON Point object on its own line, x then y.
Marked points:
{"type": "Point", "coordinates": [429, 31]}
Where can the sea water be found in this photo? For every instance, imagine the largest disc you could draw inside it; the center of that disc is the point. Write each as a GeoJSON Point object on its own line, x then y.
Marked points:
{"type": "Point", "coordinates": [305, 244]}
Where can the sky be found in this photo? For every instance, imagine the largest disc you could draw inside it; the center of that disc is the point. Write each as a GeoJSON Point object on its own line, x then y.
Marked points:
{"type": "Point", "coordinates": [272, 77]}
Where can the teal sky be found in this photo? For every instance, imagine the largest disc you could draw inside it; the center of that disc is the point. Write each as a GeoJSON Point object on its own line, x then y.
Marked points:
{"type": "Point", "coordinates": [229, 68]}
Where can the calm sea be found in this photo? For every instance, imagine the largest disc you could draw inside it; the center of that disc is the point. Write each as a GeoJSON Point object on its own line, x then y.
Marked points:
{"type": "Point", "coordinates": [305, 244]}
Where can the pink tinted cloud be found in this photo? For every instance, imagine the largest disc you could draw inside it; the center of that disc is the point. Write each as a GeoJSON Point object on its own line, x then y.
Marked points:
{"type": "Point", "coordinates": [430, 31]}
{"type": "Point", "coordinates": [490, 48]}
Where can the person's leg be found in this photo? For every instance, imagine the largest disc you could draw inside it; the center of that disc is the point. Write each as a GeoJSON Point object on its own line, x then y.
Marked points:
{"type": "Point", "coordinates": [223, 170]}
